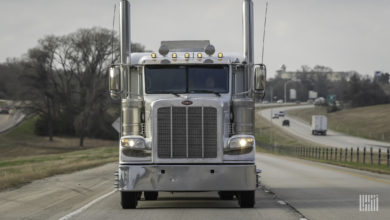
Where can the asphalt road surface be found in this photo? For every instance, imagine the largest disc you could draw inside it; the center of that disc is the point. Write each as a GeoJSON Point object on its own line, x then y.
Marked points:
{"type": "Point", "coordinates": [89, 194]}
{"type": "Point", "coordinates": [322, 191]}
{"type": "Point", "coordinates": [302, 130]}
{"type": "Point", "coordinates": [303, 189]}
{"type": "Point", "coordinates": [8, 121]}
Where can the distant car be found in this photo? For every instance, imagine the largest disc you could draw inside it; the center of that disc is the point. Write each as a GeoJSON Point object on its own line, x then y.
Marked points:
{"type": "Point", "coordinates": [276, 115]}
{"type": "Point", "coordinates": [279, 101]}
{"type": "Point", "coordinates": [265, 102]}
{"type": "Point", "coordinates": [286, 122]}
{"type": "Point", "coordinates": [281, 114]}
{"type": "Point", "coordinates": [4, 111]}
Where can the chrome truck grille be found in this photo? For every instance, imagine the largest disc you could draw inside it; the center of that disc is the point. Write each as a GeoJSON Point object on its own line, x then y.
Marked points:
{"type": "Point", "coordinates": [187, 132]}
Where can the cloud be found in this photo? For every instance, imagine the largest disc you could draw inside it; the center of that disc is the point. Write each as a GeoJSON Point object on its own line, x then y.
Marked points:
{"type": "Point", "coordinates": [345, 35]}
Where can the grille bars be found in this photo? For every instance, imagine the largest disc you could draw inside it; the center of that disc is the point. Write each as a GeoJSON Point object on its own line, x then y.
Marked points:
{"type": "Point", "coordinates": [171, 132]}
{"type": "Point", "coordinates": [202, 132]}
{"type": "Point", "coordinates": [187, 132]}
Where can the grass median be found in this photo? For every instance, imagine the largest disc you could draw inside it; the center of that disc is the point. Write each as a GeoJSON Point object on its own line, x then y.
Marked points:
{"type": "Point", "coordinates": [284, 143]}
{"type": "Point", "coordinates": [371, 122]}
{"type": "Point", "coordinates": [26, 157]}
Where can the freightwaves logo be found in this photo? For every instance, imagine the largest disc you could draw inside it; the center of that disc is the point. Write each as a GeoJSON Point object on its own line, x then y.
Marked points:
{"type": "Point", "coordinates": [369, 203]}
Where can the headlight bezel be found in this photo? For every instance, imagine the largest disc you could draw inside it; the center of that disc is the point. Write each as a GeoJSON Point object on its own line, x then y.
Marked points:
{"type": "Point", "coordinates": [135, 147]}
{"type": "Point", "coordinates": [134, 143]}
{"type": "Point", "coordinates": [240, 144]}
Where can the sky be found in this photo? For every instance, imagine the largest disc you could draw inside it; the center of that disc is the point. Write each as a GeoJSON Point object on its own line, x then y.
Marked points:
{"type": "Point", "coordinates": [342, 34]}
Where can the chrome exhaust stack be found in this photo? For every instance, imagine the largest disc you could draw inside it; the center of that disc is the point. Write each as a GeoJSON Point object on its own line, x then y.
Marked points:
{"type": "Point", "coordinates": [131, 106]}
{"type": "Point", "coordinates": [125, 38]}
{"type": "Point", "coordinates": [248, 41]}
{"type": "Point", "coordinates": [244, 107]}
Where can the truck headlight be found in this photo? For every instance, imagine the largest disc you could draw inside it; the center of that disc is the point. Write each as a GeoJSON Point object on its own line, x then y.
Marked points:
{"type": "Point", "coordinates": [240, 144]}
{"type": "Point", "coordinates": [134, 146]}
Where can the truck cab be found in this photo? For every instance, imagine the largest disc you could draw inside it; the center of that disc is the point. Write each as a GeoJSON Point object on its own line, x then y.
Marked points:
{"type": "Point", "coordinates": [187, 120]}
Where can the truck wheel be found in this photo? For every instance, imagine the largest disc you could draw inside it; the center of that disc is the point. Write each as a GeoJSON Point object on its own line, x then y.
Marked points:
{"type": "Point", "coordinates": [325, 133]}
{"type": "Point", "coordinates": [226, 195]}
{"type": "Point", "coordinates": [151, 195]}
{"type": "Point", "coordinates": [246, 199]}
{"type": "Point", "coordinates": [129, 200]}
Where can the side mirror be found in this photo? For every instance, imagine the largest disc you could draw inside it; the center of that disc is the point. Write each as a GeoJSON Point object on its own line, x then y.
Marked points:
{"type": "Point", "coordinates": [260, 78]}
{"type": "Point", "coordinates": [114, 82]}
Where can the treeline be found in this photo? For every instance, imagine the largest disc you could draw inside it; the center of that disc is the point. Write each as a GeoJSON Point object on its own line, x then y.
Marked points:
{"type": "Point", "coordinates": [64, 80]}
{"type": "Point", "coordinates": [351, 88]}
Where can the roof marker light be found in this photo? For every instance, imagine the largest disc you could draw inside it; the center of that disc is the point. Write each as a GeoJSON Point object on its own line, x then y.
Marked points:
{"type": "Point", "coordinates": [220, 55]}
{"type": "Point", "coordinates": [199, 55]}
{"type": "Point", "coordinates": [154, 55]}
{"type": "Point", "coordinates": [187, 55]}
{"type": "Point", "coordinates": [174, 55]}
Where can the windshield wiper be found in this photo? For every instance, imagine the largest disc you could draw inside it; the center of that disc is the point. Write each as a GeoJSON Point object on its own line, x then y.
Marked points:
{"type": "Point", "coordinates": [206, 91]}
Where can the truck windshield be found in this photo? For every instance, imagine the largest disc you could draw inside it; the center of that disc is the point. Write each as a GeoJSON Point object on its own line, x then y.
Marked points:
{"type": "Point", "coordinates": [186, 79]}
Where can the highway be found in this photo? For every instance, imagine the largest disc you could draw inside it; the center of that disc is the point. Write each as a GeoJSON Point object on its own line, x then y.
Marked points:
{"type": "Point", "coordinates": [292, 189]}
{"type": "Point", "coordinates": [69, 195]}
{"type": "Point", "coordinates": [302, 130]}
{"type": "Point", "coordinates": [322, 191]}
{"type": "Point", "coordinates": [8, 121]}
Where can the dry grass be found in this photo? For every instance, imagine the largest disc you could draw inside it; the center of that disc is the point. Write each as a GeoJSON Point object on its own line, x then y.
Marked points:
{"type": "Point", "coordinates": [284, 140]}
{"type": "Point", "coordinates": [21, 170]}
{"type": "Point", "coordinates": [372, 122]}
{"type": "Point", "coordinates": [21, 141]}
{"type": "Point", "coordinates": [26, 157]}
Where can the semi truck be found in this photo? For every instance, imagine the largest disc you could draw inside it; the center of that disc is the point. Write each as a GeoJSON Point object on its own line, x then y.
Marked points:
{"type": "Point", "coordinates": [319, 124]}
{"type": "Point", "coordinates": [187, 117]}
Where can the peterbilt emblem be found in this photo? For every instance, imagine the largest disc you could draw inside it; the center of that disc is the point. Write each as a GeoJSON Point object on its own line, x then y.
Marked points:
{"type": "Point", "coordinates": [186, 102]}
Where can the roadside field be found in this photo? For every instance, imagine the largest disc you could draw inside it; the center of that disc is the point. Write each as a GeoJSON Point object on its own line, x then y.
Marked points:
{"type": "Point", "coordinates": [21, 141]}
{"type": "Point", "coordinates": [25, 157]}
{"type": "Point", "coordinates": [372, 122]}
{"type": "Point", "coordinates": [287, 144]}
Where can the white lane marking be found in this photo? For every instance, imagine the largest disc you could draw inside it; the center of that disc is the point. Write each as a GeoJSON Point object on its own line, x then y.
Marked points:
{"type": "Point", "coordinates": [281, 202]}
{"type": "Point", "coordinates": [78, 211]}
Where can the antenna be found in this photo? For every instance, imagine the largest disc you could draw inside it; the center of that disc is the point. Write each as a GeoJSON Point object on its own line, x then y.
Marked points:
{"type": "Point", "coordinates": [112, 36]}
{"type": "Point", "coordinates": [265, 23]}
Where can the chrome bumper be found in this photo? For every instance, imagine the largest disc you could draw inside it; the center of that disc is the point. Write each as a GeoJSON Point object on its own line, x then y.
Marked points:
{"type": "Point", "coordinates": [187, 177]}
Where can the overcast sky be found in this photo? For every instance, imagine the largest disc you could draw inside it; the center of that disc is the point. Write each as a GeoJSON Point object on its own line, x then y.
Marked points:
{"type": "Point", "coordinates": [342, 34]}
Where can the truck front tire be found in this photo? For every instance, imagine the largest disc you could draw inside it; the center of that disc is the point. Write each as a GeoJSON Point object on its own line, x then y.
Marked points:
{"type": "Point", "coordinates": [150, 195]}
{"type": "Point", "coordinates": [129, 200]}
{"type": "Point", "coordinates": [246, 199]}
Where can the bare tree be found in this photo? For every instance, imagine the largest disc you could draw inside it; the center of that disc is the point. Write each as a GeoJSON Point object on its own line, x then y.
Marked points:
{"type": "Point", "coordinates": [39, 80]}
{"type": "Point", "coordinates": [89, 59]}
{"type": "Point", "coordinates": [66, 80]}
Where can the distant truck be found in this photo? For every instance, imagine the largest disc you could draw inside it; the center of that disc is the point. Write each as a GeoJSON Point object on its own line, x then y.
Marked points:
{"type": "Point", "coordinates": [319, 124]}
